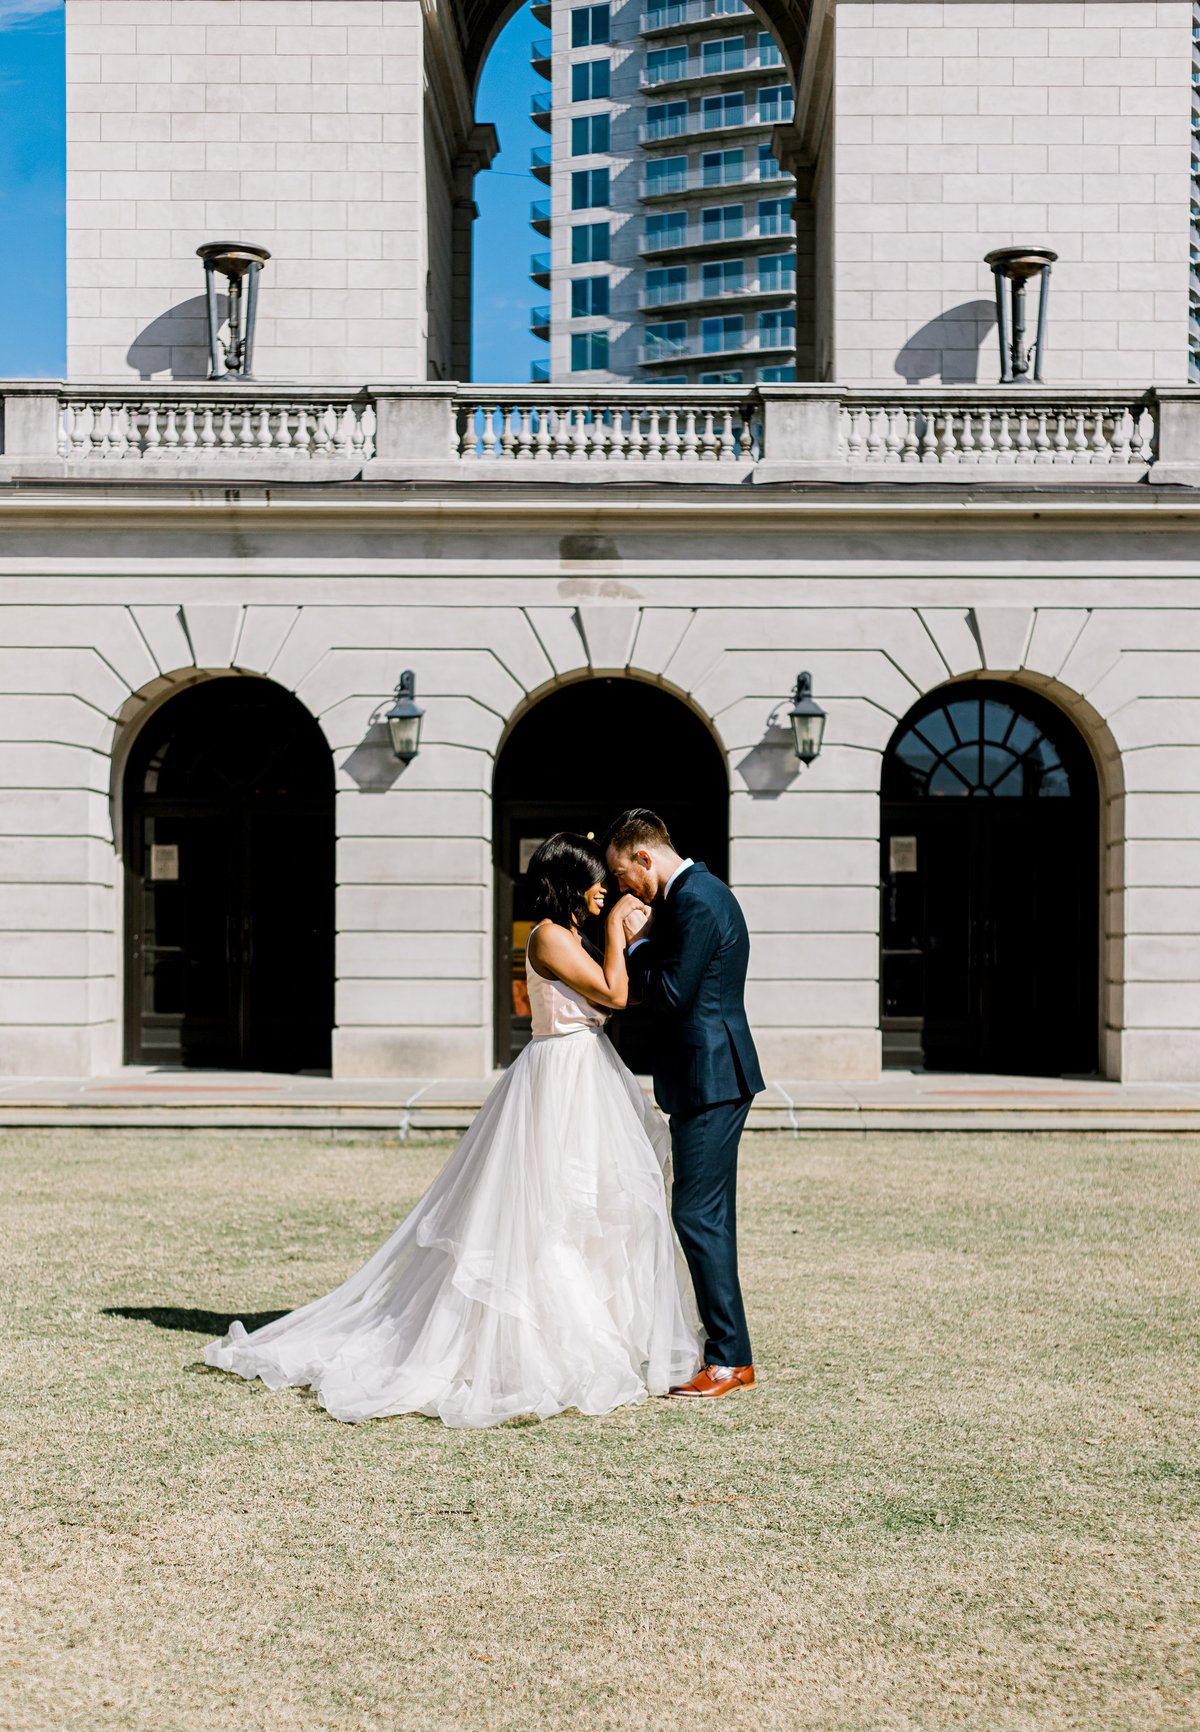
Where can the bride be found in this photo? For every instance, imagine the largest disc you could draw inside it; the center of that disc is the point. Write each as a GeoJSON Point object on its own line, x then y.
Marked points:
{"type": "Point", "coordinates": [539, 1271]}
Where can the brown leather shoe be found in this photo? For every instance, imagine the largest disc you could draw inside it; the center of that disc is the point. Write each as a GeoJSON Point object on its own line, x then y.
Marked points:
{"type": "Point", "coordinates": [713, 1380]}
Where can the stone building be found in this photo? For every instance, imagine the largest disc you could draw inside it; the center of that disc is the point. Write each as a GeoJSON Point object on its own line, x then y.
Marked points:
{"type": "Point", "coordinates": [208, 591]}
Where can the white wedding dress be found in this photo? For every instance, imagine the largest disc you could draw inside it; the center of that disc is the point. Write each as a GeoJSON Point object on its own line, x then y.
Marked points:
{"type": "Point", "coordinates": [538, 1272]}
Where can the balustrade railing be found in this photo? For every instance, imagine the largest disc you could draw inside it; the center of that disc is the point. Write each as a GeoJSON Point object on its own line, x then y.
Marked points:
{"type": "Point", "coordinates": [1084, 432]}
{"type": "Point", "coordinates": [725, 432]}
{"type": "Point", "coordinates": [548, 428]}
{"type": "Point", "coordinates": [182, 426]}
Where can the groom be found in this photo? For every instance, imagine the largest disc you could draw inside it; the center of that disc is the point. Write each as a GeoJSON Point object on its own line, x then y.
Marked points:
{"type": "Point", "coordinates": [689, 956]}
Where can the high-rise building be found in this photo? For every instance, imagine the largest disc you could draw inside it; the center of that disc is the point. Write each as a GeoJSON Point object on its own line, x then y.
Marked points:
{"type": "Point", "coordinates": [672, 243]}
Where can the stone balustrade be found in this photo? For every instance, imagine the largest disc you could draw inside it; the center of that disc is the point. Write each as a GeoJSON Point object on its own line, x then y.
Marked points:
{"type": "Point", "coordinates": [1014, 435]}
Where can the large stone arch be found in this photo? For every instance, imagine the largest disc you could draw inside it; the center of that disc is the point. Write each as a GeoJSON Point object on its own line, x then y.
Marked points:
{"type": "Point", "coordinates": [479, 22]}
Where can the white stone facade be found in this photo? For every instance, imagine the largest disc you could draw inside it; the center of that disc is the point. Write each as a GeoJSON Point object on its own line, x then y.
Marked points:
{"type": "Point", "coordinates": [330, 600]}
{"type": "Point", "coordinates": [295, 124]}
{"type": "Point", "coordinates": [975, 124]}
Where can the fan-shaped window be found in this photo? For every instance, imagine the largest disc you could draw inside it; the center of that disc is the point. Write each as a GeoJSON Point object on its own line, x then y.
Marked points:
{"type": "Point", "coordinates": [975, 746]}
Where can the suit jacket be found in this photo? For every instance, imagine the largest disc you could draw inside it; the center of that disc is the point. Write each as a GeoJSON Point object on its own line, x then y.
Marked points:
{"type": "Point", "coordinates": [692, 969]}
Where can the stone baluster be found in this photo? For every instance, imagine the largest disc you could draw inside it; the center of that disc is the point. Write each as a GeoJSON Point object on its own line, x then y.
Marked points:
{"type": "Point", "coordinates": [1121, 428]}
{"type": "Point", "coordinates": [688, 442]}
{"type": "Point", "coordinates": [170, 437]}
{"type": "Point", "coordinates": [1079, 442]}
{"type": "Point", "coordinates": [636, 449]}
{"type": "Point", "coordinates": [542, 443]}
{"type": "Point", "coordinates": [118, 431]}
{"type": "Point", "coordinates": [1061, 451]}
{"type": "Point", "coordinates": [726, 451]}
{"type": "Point", "coordinates": [358, 435]}
{"type": "Point", "coordinates": [893, 436]}
{"type": "Point", "coordinates": [654, 437]}
{"type": "Point", "coordinates": [1024, 443]}
{"type": "Point", "coordinates": [967, 450]}
{"type": "Point", "coordinates": [987, 444]}
{"type": "Point", "coordinates": [1101, 449]}
{"type": "Point", "coordinates": [1004, 444]}
{"type": "Point", "coordinates": [671, 440]}
{"type": "Point", "coordinates": [151, 437]}
{"type": "Point", "coordinates": [747, 436]}
{"type": "Point", "coordinates": [929, 438]}
{"type": "Point", "coordinates": [98, 431]}
{"type": "Point", "coordinates": [1042, 452]}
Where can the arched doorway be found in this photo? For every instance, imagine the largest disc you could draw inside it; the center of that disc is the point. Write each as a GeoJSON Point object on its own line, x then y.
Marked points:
{"type": "Point", "coordinates": [581, 755]}
{"type": "Point", "coordinates": [229, 882]}
{"type": "Point", "coordinates": [990, 875]}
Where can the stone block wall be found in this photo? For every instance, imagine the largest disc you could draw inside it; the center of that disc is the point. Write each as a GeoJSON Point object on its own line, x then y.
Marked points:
{"type": "Point", "coordinates": [296, 124]}
{"type": "Point", "coordinates": [488, 623]}
{"type": "Point", "coordinates": [975, 124]}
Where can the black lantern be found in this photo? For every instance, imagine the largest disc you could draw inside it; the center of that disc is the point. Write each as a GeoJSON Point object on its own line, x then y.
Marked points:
{"type": "Point", "coordinates": [1017, 265]}
{"type": "Point", "coordinates": [239, 263]}
{"type": "Point", "coordinates": [807, 719]}
{"type": "Point", "coordinates": [404, 719]}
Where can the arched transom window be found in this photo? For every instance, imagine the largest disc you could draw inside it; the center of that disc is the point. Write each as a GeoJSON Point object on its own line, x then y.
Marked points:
{"type": "Point", "coordinates": [978, 746]}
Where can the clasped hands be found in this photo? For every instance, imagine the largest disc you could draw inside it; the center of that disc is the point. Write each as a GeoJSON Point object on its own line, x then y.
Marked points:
{"type": "Point", "coordinates": [634, 915]}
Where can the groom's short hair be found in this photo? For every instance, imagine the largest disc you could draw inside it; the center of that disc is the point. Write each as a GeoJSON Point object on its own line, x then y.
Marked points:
{"type": "Point", "coordinates": [639, 827]}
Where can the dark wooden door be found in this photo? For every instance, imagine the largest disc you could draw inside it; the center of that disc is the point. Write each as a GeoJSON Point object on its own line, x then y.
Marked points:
{"type": "Point", "coordinates": [230, 885]}
{"type": "Point", "coordinates": [990, 899]}
{"type": "Point", "coordinates": [573, 763]}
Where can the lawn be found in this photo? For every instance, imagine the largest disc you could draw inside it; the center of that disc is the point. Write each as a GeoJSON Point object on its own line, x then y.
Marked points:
{"type": "Point", "coordinates": [965, 1493]}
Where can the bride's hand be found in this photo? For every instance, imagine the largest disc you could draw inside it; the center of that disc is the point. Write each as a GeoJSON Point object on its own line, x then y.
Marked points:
{"type": "Point", "coordinates": [633, 915]}
{"type": "Point", "coordinates": [624, 906]}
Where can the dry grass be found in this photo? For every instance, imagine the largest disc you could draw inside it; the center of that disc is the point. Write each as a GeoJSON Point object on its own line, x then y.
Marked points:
{"type": "Point", "coordinates": [965, 1494]}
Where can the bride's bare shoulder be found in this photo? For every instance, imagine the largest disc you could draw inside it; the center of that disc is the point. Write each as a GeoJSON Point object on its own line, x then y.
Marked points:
{"type": "Point", "coordinates": [547, 942]}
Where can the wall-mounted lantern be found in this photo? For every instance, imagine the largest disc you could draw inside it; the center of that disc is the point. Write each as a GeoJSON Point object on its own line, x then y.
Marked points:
{"type": "Point", "coordinates": [808, 721]}
{"type": "Point", "coordinates": [1018, 266]}
{"type": "Point", "coordinates": [241, 265]}
{"type": "Point", "coordinates": [404, 719]}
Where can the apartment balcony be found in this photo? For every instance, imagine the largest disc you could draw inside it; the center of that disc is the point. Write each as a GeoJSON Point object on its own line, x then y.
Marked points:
{"type": "Point", "coordinates": [712, 180]}
{"type": "Point", "coordinates": [539, 372]}
{"type": "Point", "coordinates": [542, 14]}
{"type": "Point", "coordinates": [686, 14]}
{"type": "Point", "coordinates": [1039, 437]}
{"type": "Point", "coordinates": [702, 238]}
{"type": "Point", "coordinates": [539, 57]}
{"type": "Point", "coordinates": [710, 349]}
{"type": "Point", "coordinates": [539, 110]}
{"type": "Point", "coordinates": [539, 164]}
{"type": "Point", "coordinates": [700, 294]}
{"type": "Point", "coordinates": [706, 125]}
{"type": "Point", "coordinates": [695, 70]}
{"type": "Point", "coordinates": [539, 217]}
{"type": "Point", "coordinates": [539, 322]}
{"type": "Point", "coordinates": [539, 269]}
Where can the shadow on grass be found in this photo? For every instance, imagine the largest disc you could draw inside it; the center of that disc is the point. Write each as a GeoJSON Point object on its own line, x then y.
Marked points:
{"type": "Point", "coordinates": [193, 1322]}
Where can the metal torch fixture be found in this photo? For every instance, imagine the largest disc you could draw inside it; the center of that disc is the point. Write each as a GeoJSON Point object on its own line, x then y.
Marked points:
{"type": "Point", "coordinates": [240, 263]}
{"type": "Point", "coordinates": [1017, 266]}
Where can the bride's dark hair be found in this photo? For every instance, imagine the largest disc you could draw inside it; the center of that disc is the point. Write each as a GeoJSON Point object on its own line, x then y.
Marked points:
{"type": "Point", "coordinates": [560, 875]}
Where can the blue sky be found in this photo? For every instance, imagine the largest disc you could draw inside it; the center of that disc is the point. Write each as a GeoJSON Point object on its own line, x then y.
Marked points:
{"type": "Point", "coordinates": [32, 173]}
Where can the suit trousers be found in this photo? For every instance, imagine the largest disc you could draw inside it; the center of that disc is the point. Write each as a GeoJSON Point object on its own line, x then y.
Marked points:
{"type": "Point", "coordinates": [704, 1146]}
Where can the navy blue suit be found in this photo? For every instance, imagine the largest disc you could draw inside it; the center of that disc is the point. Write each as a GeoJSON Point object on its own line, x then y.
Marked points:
{"type": "Point", "coordinates": [692, 970]}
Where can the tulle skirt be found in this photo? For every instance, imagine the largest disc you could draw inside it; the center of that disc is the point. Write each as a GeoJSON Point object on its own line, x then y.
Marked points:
{"type": "Point", "coordinates": [538, 1272]}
